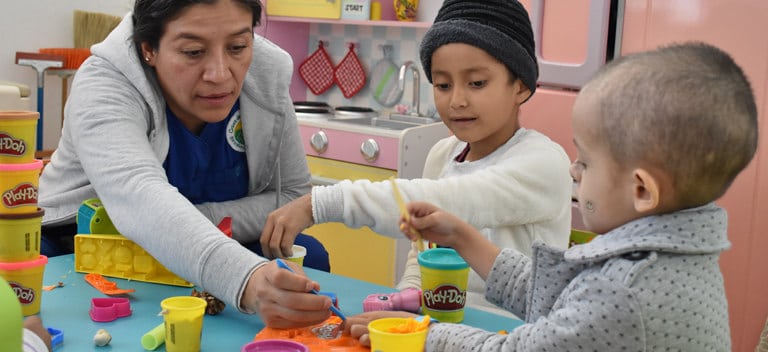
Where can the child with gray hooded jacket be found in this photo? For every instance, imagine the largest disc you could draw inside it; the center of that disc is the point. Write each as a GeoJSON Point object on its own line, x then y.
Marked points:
{"type": "Point", "coordinates": [660, 136]}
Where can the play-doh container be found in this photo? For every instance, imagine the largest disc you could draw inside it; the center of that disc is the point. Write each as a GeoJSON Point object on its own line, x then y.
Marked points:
{"type": "Point", "coordinates": [26, 280]}
{"type": "Point", "coordinates": [444, 276]}
{"type": "Point", "coordinates": [299, 252]}
{"type": "Point", "coordinates": [20, 236]}
{"type": "Point", "coordinates": [183, 317]}
{"type": "Point", "coordinates": [383, 339]}
{"type": "Point", "coordinates": [18, 136]}
{"type": "Point", "coordinates": [18, 187]}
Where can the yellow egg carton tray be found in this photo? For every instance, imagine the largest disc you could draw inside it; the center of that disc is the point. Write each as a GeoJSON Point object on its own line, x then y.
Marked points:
{"type": "Point", "coordinates": [117, 256]}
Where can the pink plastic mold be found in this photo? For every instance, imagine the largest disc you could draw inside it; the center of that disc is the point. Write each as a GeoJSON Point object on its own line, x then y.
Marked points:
{"type": "Point", "coordinates": [109, 309]}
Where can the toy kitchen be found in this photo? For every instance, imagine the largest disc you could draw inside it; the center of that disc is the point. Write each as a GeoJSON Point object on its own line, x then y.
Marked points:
{"type": "Point", "coordinates": [365, 112]}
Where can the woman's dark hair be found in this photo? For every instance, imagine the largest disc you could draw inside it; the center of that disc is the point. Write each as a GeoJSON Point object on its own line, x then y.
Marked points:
{"type": "Point", "coordinates": [151, 16]}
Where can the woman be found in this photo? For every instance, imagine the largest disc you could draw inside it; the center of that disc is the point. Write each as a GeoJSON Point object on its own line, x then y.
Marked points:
{"type": "Point", "coordinates": [179, 118]}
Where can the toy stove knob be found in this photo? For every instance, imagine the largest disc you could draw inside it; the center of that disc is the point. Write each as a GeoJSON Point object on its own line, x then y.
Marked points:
{"type": "Point", "coordinates": [370, 150]}
{"type": "Point", "coordinates": [319, 142]}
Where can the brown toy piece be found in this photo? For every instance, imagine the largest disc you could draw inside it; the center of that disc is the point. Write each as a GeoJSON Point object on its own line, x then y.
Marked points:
{"type": "Point", "coordinates": [214, 305]}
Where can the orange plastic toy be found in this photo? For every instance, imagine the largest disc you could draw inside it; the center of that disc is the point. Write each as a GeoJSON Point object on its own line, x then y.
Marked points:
{"type": "Point", "coordinates": [319, 338]}
{"type": "Point", "coordinates": [105, 286]}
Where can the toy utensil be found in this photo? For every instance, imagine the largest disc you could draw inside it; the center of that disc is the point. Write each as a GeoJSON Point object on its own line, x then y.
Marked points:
{"type": "Point", "coordinates": [404, 212]}
{"type": "Point", "coordinates": [386, 90]}
{"type": "Point", "coordinates": [335, 310]}
{"type": "Point", "coordinates": [105, 286]}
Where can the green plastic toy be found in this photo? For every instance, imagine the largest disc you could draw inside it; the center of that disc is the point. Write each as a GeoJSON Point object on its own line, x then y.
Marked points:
{"type": "Point", "coordinates": [92, 218]}
{"type": "Point", "coordinates": [11, 321]}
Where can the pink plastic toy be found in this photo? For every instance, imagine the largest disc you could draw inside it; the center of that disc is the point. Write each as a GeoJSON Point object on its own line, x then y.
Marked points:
{"type": "Point", "coordinates": [109, 309]}
{"type": "Point", "coordinates": [408, 300]}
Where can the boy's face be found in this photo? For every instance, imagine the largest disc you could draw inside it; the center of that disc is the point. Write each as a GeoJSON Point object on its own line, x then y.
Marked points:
{"type": "Point", "coordinates": [475, 97]}
{"type": "Point", "coordinates": [604, 189]}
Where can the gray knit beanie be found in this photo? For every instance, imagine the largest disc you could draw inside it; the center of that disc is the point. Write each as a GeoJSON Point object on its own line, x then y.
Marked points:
{"type": "Point", "coordinates": [500, 27]}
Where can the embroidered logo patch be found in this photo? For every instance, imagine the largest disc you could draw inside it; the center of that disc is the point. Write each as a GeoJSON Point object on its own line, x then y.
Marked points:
{"type": "Point", "coordinates": [235, 133]}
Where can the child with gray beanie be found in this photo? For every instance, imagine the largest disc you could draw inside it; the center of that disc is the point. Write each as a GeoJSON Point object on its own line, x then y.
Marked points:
{"type": "Point", "coordinates": [510, 181]}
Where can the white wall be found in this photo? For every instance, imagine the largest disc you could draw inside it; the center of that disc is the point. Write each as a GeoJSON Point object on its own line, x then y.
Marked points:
{"type": "Point", "coordinates": [27, 26]}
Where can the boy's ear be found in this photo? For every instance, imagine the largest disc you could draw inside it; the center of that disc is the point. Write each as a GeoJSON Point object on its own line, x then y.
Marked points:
{"type": "Point", "coordinates": [523, 93]}
{"type": "Point", "coordinates": [646, 191]}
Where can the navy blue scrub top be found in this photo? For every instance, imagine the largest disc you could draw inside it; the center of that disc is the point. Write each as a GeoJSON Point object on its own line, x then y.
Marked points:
{"type": "Point", "coordinates": [210, 167]}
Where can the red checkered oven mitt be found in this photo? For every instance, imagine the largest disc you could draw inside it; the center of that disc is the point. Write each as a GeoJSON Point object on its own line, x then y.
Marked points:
{"type": "Point", "coordinates": [317, 71]}
{"type": "Point", "coordinates": [350, 74]}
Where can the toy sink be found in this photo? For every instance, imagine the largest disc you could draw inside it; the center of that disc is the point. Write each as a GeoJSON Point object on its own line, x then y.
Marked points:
{"type": "Point", "coordinates": [117, 256]}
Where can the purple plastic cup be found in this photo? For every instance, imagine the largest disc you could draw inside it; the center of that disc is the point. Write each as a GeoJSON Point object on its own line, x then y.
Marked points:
{"type": "Point", "coordinates": [274, 345]}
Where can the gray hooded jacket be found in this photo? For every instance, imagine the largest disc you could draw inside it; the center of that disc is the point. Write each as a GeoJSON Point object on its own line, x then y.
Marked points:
{"type": "Point", "coordinates": [653, 284]}
{"type": "Point", "coordinates": [115, 139]}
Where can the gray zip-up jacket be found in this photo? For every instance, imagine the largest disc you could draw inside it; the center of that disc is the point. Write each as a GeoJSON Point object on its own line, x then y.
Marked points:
{"type": "Point", "coordinates": [115, 139]}
{"type": "Point", "coordinates": [653, 284]}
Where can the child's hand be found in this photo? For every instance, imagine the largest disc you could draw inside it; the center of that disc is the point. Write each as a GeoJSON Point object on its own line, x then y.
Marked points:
{"type": "Point", "coordinates": [447, 230]}
{"type": "Point", "coordinates": [357, 326]}
{"type": "Point", "coordinates": [34, 324]}
{"type": "Point", "coordinates": [434, 224]}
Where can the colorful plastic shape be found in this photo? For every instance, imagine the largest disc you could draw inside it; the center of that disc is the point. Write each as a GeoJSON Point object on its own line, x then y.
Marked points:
{"type": "Point", "coordinates": [92, 217]}
{"type": "Point", "coordinates": [117, 256]}
{"type": "Point", "coordinates": [108, 309]}
{"type": "Point", "coordinates": [11, 322]}
{"type": "Point", "coordinates": [334, 309]}
{"type": "Point", "coordinates": [334, 299]}
{"type": "Point", "coordinates": [152, 339]}
{"type": "Point", "coordinates": [105, 286]}
{"type": "Point", "coordinates": [316, 337]}
{"type": "Point", "coordinates": [226, 226]}
{"type": "Point", "coordinates": [274, 346]}
{"type": "Point", "coordinates": [408, 299]}
{"type": "Point", "coordinates": [57, 337]}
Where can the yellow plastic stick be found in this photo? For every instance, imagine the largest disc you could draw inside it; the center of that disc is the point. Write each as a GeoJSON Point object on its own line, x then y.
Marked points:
{"type": "Point", "coordinates": [404, 212]}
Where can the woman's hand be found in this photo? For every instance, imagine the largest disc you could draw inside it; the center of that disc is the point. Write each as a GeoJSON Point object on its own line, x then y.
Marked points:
{"type": "Point", "coordinates": [282, 298]}
{"type": "Point", "coordinates": [283, 225]}
{"type": "Point", "coordinates": [357, 326]}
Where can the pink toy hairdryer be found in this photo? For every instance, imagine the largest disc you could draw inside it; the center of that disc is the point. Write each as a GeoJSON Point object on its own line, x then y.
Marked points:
{"type": "Point", "coordinates": [407, 300]}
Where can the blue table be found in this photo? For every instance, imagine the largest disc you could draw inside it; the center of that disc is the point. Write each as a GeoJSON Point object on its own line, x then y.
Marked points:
{"type": "Point", "coordinates": [66, 308]}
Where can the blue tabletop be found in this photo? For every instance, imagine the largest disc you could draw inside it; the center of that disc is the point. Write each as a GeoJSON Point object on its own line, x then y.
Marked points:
{"type": "Point", "coordinates": [66, 308]}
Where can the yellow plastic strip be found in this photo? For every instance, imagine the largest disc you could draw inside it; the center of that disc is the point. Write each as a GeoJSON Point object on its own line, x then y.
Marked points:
{"type": "Point", "coordinates": [404, 212]}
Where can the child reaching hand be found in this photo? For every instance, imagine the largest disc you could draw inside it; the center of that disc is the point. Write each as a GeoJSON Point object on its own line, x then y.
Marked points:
{"type": "Point", "coordinates": [660, 136]}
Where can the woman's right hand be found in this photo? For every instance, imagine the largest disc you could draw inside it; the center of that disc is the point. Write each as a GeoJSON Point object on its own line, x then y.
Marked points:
{"type": "Point", "coordinates": [282, 298]}
{"type": "Point", "coordinates": [283, 225]}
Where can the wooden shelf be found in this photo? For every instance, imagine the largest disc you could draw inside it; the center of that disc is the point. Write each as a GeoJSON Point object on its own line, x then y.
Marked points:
{"type": "Point", "coordinates": [350, 22]}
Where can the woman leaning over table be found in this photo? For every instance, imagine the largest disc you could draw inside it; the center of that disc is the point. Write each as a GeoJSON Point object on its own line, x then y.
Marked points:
{"type": "Point", "coordinates": [182, 91]}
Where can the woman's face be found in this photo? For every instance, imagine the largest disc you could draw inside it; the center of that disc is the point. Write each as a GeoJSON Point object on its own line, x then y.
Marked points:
{"type": "Point", "coordinates": [202, 59]}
